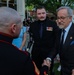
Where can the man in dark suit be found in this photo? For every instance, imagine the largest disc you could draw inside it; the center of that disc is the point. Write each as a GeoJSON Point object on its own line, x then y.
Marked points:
{"type": "Point", "coordinates": [12, 60]}
{"type": "Point", "coordinates": [44, 33]}
{"type": "Point", "coordinates": [66, 49]}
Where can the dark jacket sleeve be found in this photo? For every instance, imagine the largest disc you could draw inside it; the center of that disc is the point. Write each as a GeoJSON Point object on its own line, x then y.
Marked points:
{"type": "Point", "coordinates": [29, 67]}
{"type": "Point", "coordinates": [55, 48]}
{"type": "Point", "coordinates": [44, 70]}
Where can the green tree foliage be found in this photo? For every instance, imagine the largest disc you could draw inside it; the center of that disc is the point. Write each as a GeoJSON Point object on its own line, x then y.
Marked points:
{"type": "Point", "coordinates": [50, 5]}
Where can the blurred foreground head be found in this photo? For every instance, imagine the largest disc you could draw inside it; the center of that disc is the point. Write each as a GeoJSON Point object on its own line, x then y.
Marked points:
{"type": "Point", "coordinates": [10, 21]}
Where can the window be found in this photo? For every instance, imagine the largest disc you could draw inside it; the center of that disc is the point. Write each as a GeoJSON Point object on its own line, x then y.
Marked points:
{"type": "Point", "coordinates": [9, 3]}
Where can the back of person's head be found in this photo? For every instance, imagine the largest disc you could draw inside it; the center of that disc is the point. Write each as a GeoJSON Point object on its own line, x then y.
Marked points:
{"type": "Point", "coordinates": [9, 20]}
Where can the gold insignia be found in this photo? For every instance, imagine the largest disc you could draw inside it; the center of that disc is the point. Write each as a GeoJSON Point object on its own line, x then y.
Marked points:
{"type": "Point", "coordinates": [70, 37]}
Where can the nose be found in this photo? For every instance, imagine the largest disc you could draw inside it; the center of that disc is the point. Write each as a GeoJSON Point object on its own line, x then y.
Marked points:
{"type": "Point", "coordinates": [59, 20]}
{"type": "Point", "coordinates": [41, 15]}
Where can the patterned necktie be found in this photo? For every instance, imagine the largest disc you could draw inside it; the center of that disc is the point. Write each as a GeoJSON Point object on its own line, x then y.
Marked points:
{"type": "Point", "coordinates": [41, 30]}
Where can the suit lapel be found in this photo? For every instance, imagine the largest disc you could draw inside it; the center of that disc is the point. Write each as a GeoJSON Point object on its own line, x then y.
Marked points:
{"type": "Point", "coordinates": [69, 37]}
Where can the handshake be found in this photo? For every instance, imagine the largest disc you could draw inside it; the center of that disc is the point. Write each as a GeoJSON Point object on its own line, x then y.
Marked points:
{"type": "Point", "coordinates": [45, 67]}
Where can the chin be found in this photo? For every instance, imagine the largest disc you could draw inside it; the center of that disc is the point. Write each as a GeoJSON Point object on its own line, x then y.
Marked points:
{"type": "Point", "coordinates": [61, 27]}
{"type": "Point", "coordinates": [42, 19]}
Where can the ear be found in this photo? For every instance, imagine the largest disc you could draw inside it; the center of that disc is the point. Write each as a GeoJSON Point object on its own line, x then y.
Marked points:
{"type": "Point", "coordinates": [13, 28]}
{"type": "Point", "coordinates": [70, 17]}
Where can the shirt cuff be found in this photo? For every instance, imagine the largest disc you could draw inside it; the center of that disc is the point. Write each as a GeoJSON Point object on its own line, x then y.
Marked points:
{"type": "Point", "coordinates": [49, 59]}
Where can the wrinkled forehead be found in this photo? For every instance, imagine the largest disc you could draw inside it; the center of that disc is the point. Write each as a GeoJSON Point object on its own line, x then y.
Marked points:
{"type": "Point", "coordinates": [62, 12]}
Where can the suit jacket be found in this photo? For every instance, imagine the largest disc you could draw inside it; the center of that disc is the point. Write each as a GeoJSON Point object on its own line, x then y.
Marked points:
{"type": "Point", "coordinates": [12, 60]}
{"type": "Point", "coordinates": [67, 53]}
{"type": "Point", "coordinates": [44, 45]}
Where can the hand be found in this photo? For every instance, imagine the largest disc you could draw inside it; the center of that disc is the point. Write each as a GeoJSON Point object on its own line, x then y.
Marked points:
{"type": "Point", "coordinates": [47, 63]}
{"type": "Point", "coordinates": [20, 48]}
{"type": "Point", "coordinates": [72, 71]}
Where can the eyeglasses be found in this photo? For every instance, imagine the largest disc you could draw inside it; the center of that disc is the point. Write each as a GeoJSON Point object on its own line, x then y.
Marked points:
{"type": "Point", "coordinates": [62, 18]}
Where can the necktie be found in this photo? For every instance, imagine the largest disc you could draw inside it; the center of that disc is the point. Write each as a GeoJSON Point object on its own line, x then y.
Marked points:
{"type": "Point", "coordinates": [41, 30]}
{"type": "Point", "coordinates": [62, 38]}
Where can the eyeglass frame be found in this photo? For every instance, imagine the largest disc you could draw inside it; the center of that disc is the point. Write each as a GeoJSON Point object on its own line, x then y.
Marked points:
{"type": "Point", "coordinates": [62, 18]}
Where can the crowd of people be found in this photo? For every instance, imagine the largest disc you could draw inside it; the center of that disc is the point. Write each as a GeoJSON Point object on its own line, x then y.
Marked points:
{"type": "Point", "coordinates": [44, 38]}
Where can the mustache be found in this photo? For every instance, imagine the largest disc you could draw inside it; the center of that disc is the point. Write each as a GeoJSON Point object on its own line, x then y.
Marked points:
{"type": "Point", "coordinates": [42, 17]}
{"type": "Point", "coordinates": [59, 23]}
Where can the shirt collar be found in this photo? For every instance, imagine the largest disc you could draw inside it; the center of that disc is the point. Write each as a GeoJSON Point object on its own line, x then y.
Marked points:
{"type": "Point", "coordinates": [67, 29]}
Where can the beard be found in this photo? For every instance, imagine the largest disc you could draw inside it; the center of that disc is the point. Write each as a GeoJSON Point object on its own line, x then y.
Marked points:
{"type": "Point", "coordinates": [61, 26]}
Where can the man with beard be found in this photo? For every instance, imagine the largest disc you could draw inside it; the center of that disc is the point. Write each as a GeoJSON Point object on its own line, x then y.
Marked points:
{"type": "Point", "coordinates": [65, 41]}
{"type": "Point", "coordinates": [44, 34]}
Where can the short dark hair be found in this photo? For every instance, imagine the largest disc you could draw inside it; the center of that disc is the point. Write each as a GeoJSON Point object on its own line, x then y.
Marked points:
{"type": "Point", "coordinates": [40, 7]}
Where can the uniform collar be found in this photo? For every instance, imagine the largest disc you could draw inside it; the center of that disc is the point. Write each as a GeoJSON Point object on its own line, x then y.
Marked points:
{"type": "Point", "coordinates": [5, 37]}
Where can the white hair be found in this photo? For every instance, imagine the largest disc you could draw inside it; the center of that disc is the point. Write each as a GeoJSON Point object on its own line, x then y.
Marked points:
{"type": "Point", "coordinates": [9, 15]}
{"type": "Point", "coordinates": [69, 10]}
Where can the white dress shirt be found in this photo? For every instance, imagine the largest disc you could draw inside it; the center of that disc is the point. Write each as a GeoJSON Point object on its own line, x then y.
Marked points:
{"type": "Point", "coordinates": [67, 30]}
